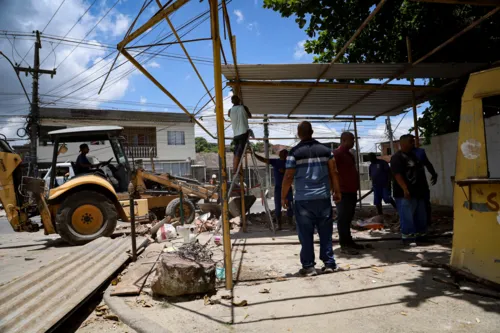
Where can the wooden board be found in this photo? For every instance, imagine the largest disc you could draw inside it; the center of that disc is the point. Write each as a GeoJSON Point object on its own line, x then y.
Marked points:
{"type": "Point", "coordinates": [132, 281]}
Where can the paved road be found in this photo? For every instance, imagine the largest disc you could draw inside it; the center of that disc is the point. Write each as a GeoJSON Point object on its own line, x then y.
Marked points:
{"type": "Point", "coordinates": [23, 252]}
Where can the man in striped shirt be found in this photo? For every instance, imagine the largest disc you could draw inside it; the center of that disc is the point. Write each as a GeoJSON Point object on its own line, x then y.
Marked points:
{"type": "Point", "coordinates": [312, 166]}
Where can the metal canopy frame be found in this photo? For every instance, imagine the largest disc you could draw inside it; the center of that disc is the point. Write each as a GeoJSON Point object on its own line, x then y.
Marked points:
{"type": "Point", "coordinates": [165, 11]}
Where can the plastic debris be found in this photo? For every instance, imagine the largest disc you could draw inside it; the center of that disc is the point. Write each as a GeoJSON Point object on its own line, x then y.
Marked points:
{"type": "Point", "coordinates": [166, 232]}
{"type": "Point", "coordinates": [404, 313]}
{"type": "Point", "coordinates": [241, 303]}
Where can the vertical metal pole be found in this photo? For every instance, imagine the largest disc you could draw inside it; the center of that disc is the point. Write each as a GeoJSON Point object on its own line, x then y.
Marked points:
{"type": "Point", "coordinates": [242, 195]}
{"type": "Point", "coordinates": [131, 191]}
{"type": "Point", "coordinates": [181, 195]}
{"type": "Point", "coordinates": [266, 151]}
{"type": "Point", "coordinates": [391, 135]}
{"type": "Point", "coordinates": [214, 24]}
{"type": "Point", "coordinates": [357, 159]}
{"type": "Point", "coordinates": [247, 171]}
{"type": "Point", "coordinates": [35, 111]}
{"type": "Point", "coordinates": [413, 101]}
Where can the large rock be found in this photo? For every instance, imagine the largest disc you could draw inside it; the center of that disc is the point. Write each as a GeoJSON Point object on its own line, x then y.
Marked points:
{"type": "Point", "coordinates": [176, 276]}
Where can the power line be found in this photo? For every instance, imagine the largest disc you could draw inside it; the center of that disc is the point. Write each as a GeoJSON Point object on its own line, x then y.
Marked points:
{"type": "Point", "coordinates": [74, 25]}
{"type": "Point", "coordinates": [88, 33]}
{"type": "Point", "coordinates": [62, 2]}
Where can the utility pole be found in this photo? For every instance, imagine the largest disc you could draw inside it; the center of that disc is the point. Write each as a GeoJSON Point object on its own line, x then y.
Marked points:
{"type": "Point", "coordinates": [35, 110]}
{"type": "Point", "coordinates": [389, 133]}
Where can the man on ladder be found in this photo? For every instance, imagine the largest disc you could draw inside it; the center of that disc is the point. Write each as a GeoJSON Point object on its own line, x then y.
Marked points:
{"type": "Point", "coordinates": [239, 115]}
{"type": "Point", "coordinates": [279, 167]}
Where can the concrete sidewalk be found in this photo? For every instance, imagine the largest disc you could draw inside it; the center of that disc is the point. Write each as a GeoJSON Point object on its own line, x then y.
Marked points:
{"type": "Point", "coordinates": [384, 290]}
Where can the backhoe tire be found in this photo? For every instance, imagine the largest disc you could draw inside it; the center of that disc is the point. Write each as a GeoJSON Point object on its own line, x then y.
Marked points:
{"type": "Point", "coordinates": [85, 216]}
{"type": "Point", "coordinates": [173, 209]}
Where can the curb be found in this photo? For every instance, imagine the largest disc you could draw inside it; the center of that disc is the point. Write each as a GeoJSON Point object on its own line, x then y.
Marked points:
{"type": "Point", "coordinates": [131, 318]}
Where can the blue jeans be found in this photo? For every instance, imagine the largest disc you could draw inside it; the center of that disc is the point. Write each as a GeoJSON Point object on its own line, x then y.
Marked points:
{"type": "Point", "coordinates": [311, 214]}
{"type": "Point", "coordinates": [381, 192]}
{"type": "Point", "coordinates": [277, 202]}
{"type": "Point", "coordinates": [413, 217]}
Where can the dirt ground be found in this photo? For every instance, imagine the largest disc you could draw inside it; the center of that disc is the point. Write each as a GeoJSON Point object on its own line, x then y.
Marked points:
{"type": "Point", "coordinates": [385, 289]}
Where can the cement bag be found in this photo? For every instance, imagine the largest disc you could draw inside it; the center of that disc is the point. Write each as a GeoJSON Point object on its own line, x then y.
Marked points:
{"type": "Point", "coordinates": [166, 232]}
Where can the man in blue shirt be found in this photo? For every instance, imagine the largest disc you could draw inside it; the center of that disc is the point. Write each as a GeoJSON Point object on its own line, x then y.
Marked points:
{"type": "Point", "coordinates": [312, 166]}
{"type": "Point", "coordinates": [279, 166]}
{"type": "Point", "coordinates": [82, 164]}
{"type": "Point", "coordinates": [422, 157]}
{"type": "Point", "coordinates": [380, 174]}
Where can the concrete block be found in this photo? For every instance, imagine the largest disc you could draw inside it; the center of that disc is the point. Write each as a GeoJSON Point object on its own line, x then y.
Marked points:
{"type": "Point", "coordinates": [177, 276]}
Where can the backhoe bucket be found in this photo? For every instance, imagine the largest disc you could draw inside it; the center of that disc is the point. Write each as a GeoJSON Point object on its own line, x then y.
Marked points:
{"type": "Point", "coordinates": [235, 205]}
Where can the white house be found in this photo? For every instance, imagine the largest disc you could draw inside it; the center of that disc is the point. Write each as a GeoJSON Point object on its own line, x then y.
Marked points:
{"type": "Point", "coordinates": [166, 136]}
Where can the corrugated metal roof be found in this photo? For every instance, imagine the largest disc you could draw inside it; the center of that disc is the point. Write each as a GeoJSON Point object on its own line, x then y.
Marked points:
{"type": "Point", "coordinates": [282, 100]}
{"type": "Point", "coordinates": [63, 113]}
{"type": "Point", "coordinates": [37, 301]}
{"type": "Point", "coordinates": [349, 71]}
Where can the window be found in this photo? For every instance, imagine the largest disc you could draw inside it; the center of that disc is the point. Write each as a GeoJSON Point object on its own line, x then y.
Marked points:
{"type": "Point", "coordinates": [44, 139]}
{"type": "Point", "coordinates": [176, 138]}
{"type": "Point", "coordinates": [140, 136]}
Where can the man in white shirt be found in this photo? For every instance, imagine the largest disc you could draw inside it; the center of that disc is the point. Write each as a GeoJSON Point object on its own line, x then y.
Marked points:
{"type": "Point", "coordinates": [239, 115]}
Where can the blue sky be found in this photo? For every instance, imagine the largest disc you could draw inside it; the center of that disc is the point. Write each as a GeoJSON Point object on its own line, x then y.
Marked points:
{"type": "Point", "coordinates": [263, 36]}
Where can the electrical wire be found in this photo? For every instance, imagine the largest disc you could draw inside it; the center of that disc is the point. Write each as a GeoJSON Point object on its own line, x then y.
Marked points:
{"type": "Point", "coordinates": [53, 15]}
{"type": "Point", "coordinates": [74, 25]}
{"type": "Point", "coordinates": [89, 32]}
{"type": "Point", "coordinates": [20, 81]}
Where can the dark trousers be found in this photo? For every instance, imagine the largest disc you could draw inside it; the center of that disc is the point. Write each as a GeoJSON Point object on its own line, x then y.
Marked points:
{"type": "Point", "coordinates": [345, 213]}
{"type": "Point", "coordinates": [317, 214]}
{"type": "Point", "coordinates": [277, 203]}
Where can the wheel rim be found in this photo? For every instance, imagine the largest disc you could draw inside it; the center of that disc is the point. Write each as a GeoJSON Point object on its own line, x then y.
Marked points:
{"type": "Point", "coordinates": [87, 219]}
{"type": "Point", "coordinates": [187, 210]}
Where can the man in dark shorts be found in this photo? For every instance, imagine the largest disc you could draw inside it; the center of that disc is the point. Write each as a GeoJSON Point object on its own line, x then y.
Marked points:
{"type": "Point", "coordinates": [279, 166]}
{"type": "Point", "coordinates": [380, 174]}
{"type": "Point", "coordinates": [239, 115]}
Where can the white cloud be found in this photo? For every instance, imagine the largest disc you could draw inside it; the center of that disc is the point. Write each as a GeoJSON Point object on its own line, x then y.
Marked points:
{"type": "Point", "coordinates": [153, 64]}
{"type": "Point", "coordinates": [143, 100]}
{"type": "Point", "coordinates": [187, 77]}
{"type": "Point", "coordinates": [254, 26]}
{"type": "Point", "coordinates": [239, 16]}
{"type": "Point", "coordinates": [299, 51]}
{"type": "Point", "coordinates": [31, 15]}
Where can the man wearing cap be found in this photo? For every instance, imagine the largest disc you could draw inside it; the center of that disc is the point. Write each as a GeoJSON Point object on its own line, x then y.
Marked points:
{"type": "Point", "coordinates": [82, 163]}
{"type": "Point", "coordinates": [279, 167]}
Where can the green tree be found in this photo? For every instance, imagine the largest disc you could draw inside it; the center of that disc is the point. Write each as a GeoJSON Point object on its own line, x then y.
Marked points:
{"type": "Point", "coordinates": [331, 23]}
{"type": "Point", "coordinates": [200, 145]}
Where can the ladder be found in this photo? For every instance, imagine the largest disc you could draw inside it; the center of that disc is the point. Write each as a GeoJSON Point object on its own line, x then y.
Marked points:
{"type": "Point", "coordinates": [260, 180]}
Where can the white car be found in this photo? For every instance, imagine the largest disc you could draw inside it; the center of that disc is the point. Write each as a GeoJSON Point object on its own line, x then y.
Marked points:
{"type": "Point", "coordinates": [64, 171]}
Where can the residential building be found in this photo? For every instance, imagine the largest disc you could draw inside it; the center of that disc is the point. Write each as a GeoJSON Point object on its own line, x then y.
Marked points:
{"type": "Point", "coordinates": [166, 137]}
{"type": "Point", "coordinates": [385, 147]}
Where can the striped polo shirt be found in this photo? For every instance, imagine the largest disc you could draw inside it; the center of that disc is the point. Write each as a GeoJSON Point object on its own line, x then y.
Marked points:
{"type": "Point", "coordinates": [310, 161]}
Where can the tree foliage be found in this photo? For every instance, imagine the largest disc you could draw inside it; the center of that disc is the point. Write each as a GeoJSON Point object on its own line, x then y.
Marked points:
{"type": "Point", "coordinates": [331, 23]}
{"type": "Point", "coordinates": [203, 146]}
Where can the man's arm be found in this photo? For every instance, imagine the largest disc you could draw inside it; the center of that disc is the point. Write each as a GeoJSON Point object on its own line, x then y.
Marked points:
{"type": "Point", "coordinates": [397, 169]}
{"type": "Point", "coordinates": [428, 165]}
{"type": "Point", "coordinates": [262, 159]}
{"type": "Point", "coordinates": [334, 179]}
{"type": "Point", "coordinates": [402, 184]}
{"type": "Point", "coordinates": [287, 184]}
{"type": "Point", "coordinates": [249, 115]}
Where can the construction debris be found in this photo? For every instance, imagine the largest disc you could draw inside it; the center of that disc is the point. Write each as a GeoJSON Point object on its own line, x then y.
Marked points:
{"type": "Point", "coordinates": [185, 272]}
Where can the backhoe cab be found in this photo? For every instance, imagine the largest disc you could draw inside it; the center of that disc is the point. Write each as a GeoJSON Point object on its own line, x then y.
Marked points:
{"type": "Point", "coordinates": [82, 209]}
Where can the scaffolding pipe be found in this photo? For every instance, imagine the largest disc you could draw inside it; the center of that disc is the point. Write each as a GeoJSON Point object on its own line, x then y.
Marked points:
{"type": "Point", "coordinates": [436, 49]}
{"type": "Point", "coordinates": [413, 99]}
{"type": "Point", "coordinates": [342, 51]}
{"type": "Point", "coordinates": [186, 52]}
{"type": "Point", "coordinates": [219, 110]}
{"type": "Point", "coordinates": [357, 159]}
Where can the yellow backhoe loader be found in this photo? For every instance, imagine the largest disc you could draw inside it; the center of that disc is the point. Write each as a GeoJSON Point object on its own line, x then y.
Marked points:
{"type": "Point", "coordinates": [89, 205]}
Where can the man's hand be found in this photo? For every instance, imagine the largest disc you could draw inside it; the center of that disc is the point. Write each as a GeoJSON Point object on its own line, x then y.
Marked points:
{"type": "Point", "coordinates": [284, 203]}
{"type": "Point", "coordinates": [406, 194]}
{"type": "Point", "coordinates": [337, 197]}
{"type": "Point", "coordinates": [434, 179]}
